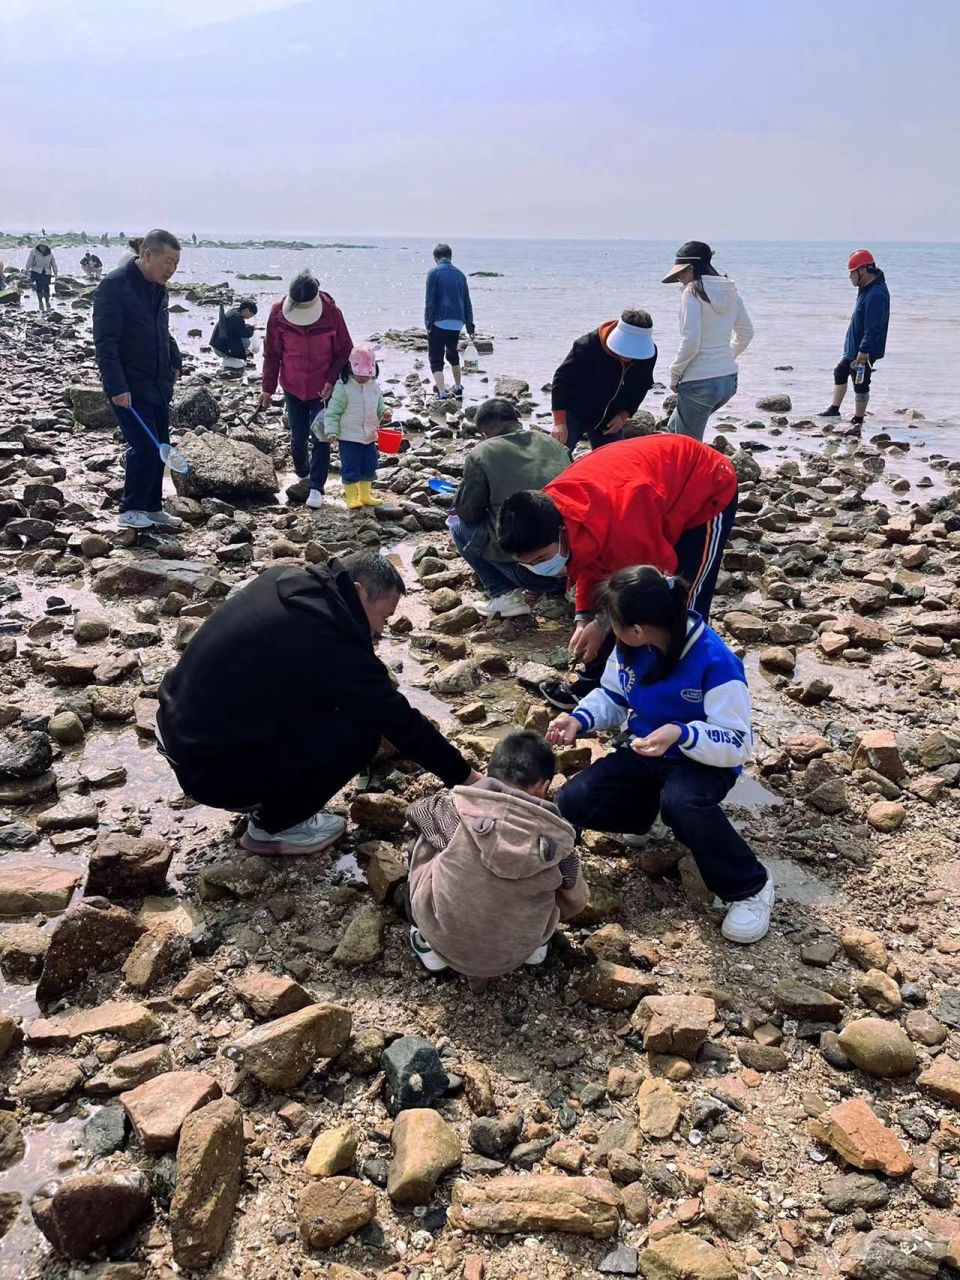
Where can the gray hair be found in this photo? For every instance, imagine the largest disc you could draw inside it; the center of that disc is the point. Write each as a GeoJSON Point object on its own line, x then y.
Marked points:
{"type": "Point", "coordinates": [157, 240]}
{"type": "Point", "coordinates": [376, 573]}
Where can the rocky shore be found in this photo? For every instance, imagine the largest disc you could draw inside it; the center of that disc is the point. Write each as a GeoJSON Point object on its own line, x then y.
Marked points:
{"type": "Point", "coordinates": [215, 1063]}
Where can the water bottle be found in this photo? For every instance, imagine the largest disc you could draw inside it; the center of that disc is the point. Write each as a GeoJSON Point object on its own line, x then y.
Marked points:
{"type": "Point", "coordinates": [861, 375]}
{"type": "Point", "coordinates": [471, 358]}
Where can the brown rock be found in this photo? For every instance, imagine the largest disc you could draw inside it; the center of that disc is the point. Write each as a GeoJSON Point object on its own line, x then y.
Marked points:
{"type": "Point", "coordinates": [126, 1019]}
{"type": "Point", "coordinates": [22, 950]}
{"type": "Point", "coordinates": [89, 1211]}
{"type": "Point", "coordinates": [925, 1028]}
{"type": "Point", "coordinates": [281, 1053]}
{"type": "Point", "coordinates": [384, 813]}
{"type": "Point", "coordinates": [11, 1034]}
{"type": "Point", "coordinates": [425, 1147]}
{"type": "Point", "coordinates": [84, 940]}
{"type": "Point", "coordinates": [384, 871]}
{"type": "Point", "coordinates": [877, 749]}
{"type": "Point", "coordinates": [886, 815]}
{"type": "Point", "coordinates": [865, 948]}
{"type": "Point", "coordinates": [658, 1108]}
{"type": "Point", "coordinates": [333, 1151]}
{"type": "Point", "coordinates": [53, 1081]}
{"type": "Point", "coordinates": [333, 1209]}
{"type": "Point", "coordinates": [158, 953]}
{"type": "Point", "coordinates": [614, 986]}
{"type": "Point", "coordinates": [130, 1070]}
{"type": "Point", "coordinates": [270, 996]}
{"type": "Point", "coordinates": [362, 940]}
{"type": "Point", "coordinates": [11, 1140]}
{"type": "Point", "coordinates": [761, 1057]}
{"type": "Point", "coordinates": [730, 1210]}
{"type": "Point", "coordinates": [675, 1024]}
{"type": "Point", "coordinates": [942, 1079]}
{"type": "Point", "coordinates": [158, 1108]}
{"type": "Point", "coordinates": [800, 1000]}
{"type": "Point", "coordinates": [542, 1202]}
{"type": "Point", "coordinates": [684, 1257]}
{"type": "Point", "coordinates": [852, 1129]}
{"type": "Point", "coordinates": [10, 1203]}
{"type": "Point", "coordinates": [881, 1049]}
{"type": "Point", "coordinates": [209, 1165]}
{"type": "Point", "coordinates": [123, 866]}
{"type": "Point", "coordinates": [24, 891]}
{"type": "Point", "coordinates": [879, 991]}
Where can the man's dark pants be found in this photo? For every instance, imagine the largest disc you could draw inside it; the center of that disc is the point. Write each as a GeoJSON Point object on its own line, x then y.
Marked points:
{"type": "Point", "coordinates": [143, 474]}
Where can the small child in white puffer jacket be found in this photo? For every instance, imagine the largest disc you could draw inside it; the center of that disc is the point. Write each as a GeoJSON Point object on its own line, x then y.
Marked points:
{"type": "Point", "coordinates": [354, 416]}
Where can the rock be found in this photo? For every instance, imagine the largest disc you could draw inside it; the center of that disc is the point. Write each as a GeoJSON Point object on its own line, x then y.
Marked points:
{"type": "Point", "coordinates": [362, 941]}
{"type": "Point", "coordinates": [333, 1209]}
{"type": "Point", "coordinates": [157, 953]}
{"type": "Point", "coordinates": [830, 797]}
{"type": "Point", "coordinates": [877, 749]}
{"type": "Point", "coordinates": [415, 1076]}
{"type": "Point", "coordinates": [281, 1053]}
{"type": "Point", "coordinates": [195, 408]}
{"type": "Point", "coordinates": [54, 1080]}
{"type": "Point", "coordinates": [881, 1049]}
{"type": "Point", "coordinates": [675, 1024]}
{"type": "Point", "coordinates": [855, 1191]}
{"type": "Point", "coordinates": [879, 991]}
{"type": "Point", "coordinates": [731, 1211]}
{"type": "Point", "coordinates": [383, 813]}
{"type": "Point", "coordinates": [28, 756]}
{"type": "Point", "coordinates": [458, 677]}
{"type": "Point", "coordinates": [159, 1107]}
{"type": "Point", "coordinates": [124, 1019]}
{"type": "Point", "coordinates": [494, 1136]}
{"type": "Point", "coordinates": [605, 898]}
{"type": "Point", "coordinates": [457, 621]}
{"type": "Point", "coordinates": [425, 1147]}
{"type": "Point", "coordinates": [886, 815]}
{"type": "Point", "coordinates": [852, 1129]}
{"type": "Point", "coordinates": [28, 790]}
{"type": "Point", "coordinates": [123, 866]}
{"type": "Point", "coordinates": [614, 986]}
{"type": "Point", "coordinates": [236, 878]}
{"type": "Point", "coordinates": [541, 1202]}
{"type": "Point", "coordinates": [761, 1057]}
{"type": "Point", "coordinates": [130, 1070]}
{"type": "Point", "coordinates": [22, 949]}
{"type": "Point", "coordinates": [270, 996]}
{"type": "Point", "coordinates": [11, 1140]}
{"type": "Point", "coordinates": [77, 670]}
{"type": "Point", "coordinates": [66, 728]}
{"type": "Point", "coordinates": [942, 1079]}
{"type": "Point", "coordinates": [224, 468]}
{"type": "Point", "coordinates": [936, 750]}
{"type": "Point", "coordinates": [924, 1028]}
{"type": "Point", "coordinates": [777, 658]}
{"type": "Point", "coordinates": [209, 1165]}
{"type": "Point", "coordinates": [149, 578]}
{"type": "Point", "coordinates": [11, 1034]}
{"type": "Point", "coordinates": [88, 628]}
{"type": "Point", "coordinates": [684, 1257]}
{"type": "Point", "coordinates": [73, 813]}
{"type": "Point", "coordinates": [84, 940]}
{"type": "Point", "coordinates": [385, 870]}
{"type": "Point", "coordinates": [25, 891]}
{"type": "Point", "coordinates": [333, 1151]}
{"type": "Point", "coordinates": [658, 1109]}
{"type": "Point", "coordinates": [865, 948]}
{"type": "Point", "coordinates": [106, 1131]}
{"type": "Point", "coordinates": [746, 627]}
{"type": "Point", "coordinates": [87, 1212]}
{"type": "Point", "coordinates": [806, 1003]}
{"type": "Point", "coordinates": [92, 408]}
{"type": "Point", "coordinates": [895, 1255]}
{"type": "Point", "coordinates": [775, 404]}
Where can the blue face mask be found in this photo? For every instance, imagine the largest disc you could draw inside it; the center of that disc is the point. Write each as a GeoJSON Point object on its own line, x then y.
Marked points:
{"type": "Point", "coordinates": [555, 567]}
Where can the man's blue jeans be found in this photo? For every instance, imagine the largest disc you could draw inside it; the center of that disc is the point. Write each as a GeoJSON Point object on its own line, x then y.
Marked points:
{"type": "Point", "coordinates": [498, 577]}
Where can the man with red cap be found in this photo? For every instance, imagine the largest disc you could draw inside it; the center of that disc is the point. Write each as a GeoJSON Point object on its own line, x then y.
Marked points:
{"type": "Point", "coordinates": [866, 339]}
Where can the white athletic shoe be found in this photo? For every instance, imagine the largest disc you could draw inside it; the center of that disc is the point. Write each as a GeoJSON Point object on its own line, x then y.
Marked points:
{"type": "Point", "coordinates": [164, 520]}
{"type": "Point", "coordinates": [135, 520]}
{"type": "Point", "coordinates": [425, 953]}
{"type": "Point", "coordinates": [314, 499]}
{"type": "Point", "coordinates": [538, 956]}
{"type": "Point", "coordinates": [510, 605]}
{"type": "Point", "coordinates": [312, 836]}
{"type": "Point", "coordinates": [658, 831]}
{"type": "Point", "coordinates": [749, 920]}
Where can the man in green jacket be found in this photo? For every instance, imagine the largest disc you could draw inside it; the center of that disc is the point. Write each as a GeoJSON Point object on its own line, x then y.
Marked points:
{"type": "Point", "coordinates": [509, 459]}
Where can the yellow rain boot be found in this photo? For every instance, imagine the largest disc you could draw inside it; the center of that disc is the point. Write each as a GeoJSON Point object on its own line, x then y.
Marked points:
{"type": "Point", "coordinates": [367, 497]}
{"type": "Point", "coordinates": [351, 493]}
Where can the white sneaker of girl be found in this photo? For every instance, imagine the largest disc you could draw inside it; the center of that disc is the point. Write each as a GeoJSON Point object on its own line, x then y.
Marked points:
{"type": "Point", "coordinates": [748, 920]}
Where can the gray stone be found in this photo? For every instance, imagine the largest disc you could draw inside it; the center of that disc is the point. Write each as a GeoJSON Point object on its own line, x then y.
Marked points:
{"type": "Point", "coordinates": [105, 1131]}
{"type": "Point", "coordinates": [195, 408]}
{"type": "Point", "coordinates": [621, 1261]}
{"type": "Point", "coordinates": [414, 1074]}
{"type": "Point", "coordinates": [855, 1191]}
{"type": "Point", "coordinates": [224, 468]}
{"type": "Point", "coordinates": [27, 756]}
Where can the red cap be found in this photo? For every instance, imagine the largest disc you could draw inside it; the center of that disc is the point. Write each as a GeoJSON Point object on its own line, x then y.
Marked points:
{"type": "Point", "coordinates": [862, 258]}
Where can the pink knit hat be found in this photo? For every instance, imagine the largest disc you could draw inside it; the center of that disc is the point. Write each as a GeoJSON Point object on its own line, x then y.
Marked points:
{"type": "Point", "coordinates": [363, 361]}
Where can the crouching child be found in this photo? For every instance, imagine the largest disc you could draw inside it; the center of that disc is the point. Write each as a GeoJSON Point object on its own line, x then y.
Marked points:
{"type": "Point", "coordinates": [493, 868]}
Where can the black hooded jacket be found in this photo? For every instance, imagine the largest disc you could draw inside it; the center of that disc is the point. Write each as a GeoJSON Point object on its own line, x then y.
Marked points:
{"type": "Point", "coordinates": [286, 659]}
{"type": "Point", "coordinates": [131, 332]}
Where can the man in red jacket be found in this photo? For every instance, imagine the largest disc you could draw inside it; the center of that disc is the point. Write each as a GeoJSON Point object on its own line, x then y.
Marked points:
{"type": "Point", "coordinates": [665, 500]}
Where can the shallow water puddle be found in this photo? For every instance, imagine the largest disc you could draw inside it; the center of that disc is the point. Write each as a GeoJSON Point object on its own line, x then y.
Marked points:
{"type": "Point", "coordinates": [48, 1151]}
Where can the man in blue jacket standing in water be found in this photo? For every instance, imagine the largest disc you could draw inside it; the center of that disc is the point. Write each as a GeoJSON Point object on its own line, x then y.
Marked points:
{"type": "Point", "coordinates": [866, 339]}
{"type": "Point", "coordinates": [447, 310]}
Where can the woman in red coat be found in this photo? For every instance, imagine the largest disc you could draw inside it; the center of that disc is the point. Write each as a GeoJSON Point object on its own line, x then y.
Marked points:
{"type": "Point", "coordinates": [307, 344]}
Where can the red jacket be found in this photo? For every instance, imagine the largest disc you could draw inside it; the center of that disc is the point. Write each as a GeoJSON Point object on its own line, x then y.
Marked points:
{"type": "Point", "coordinates": [304, 358]}
{"type": "Point", "coordinates": [628, 504]}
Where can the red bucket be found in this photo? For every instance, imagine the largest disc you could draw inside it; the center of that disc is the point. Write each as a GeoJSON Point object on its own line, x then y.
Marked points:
{"type": "Point", "coordinates": [389, 439]}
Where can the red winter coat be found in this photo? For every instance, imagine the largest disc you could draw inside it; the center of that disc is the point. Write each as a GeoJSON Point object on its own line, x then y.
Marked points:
{"type": "Point", "coordinates": [304, 358]}
{"type": "Point", "coordinates": [628, 504]}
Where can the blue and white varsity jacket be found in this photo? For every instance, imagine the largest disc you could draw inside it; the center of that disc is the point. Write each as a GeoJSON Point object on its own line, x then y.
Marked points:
{"type": "Point", "coordinates": [705, 694]}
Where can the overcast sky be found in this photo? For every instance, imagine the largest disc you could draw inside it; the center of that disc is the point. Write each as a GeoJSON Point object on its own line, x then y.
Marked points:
{"type": "Point", "coordinates": [725, 119]}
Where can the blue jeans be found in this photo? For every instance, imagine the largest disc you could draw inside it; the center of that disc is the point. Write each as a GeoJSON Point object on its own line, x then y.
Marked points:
{"type": "Point", "coordinates": [300, 413]}
{"type": "Point", "coordinates": [623, 792]}
{"type": "Point", "coordinates": [143, 472]}
{"type": "Point", "coordinates": [697, 400]}
{"type": "Point", "coordinates": [358, 461]}
{"type": "Point", "coordinates": [498, 578]}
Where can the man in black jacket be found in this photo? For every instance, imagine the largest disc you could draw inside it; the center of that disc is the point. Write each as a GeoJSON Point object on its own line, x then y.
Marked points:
{"type": "Point", "coordinates": [279, 700]}
{"type": "Point", "coordinates": [602, 380]}
{"type": "Point", "coordinates": [231, 336]}
{"type": "Point", "coordinates": [139, 362]}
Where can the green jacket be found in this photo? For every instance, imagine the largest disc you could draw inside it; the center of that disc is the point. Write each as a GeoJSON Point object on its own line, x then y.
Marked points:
{"type": "Point", "coordinates": [498, 468]}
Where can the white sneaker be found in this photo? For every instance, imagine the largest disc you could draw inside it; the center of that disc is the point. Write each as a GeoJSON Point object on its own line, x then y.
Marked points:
{"type": "Point", "coordinates": [312, 836]}
{"type": "Point", "coordinates": [538, 956]}
{"type": "Point", "coordinates": [165, 520]}
{"type": "Point", "coordinates": [749, 920]}
{"type": "Point", "coordinates": [314, 499]}
{"type": "Point", "coordinates": [658, 831]}
{"type": "Point", "coordinates": [425, 953]}
{"type": "Point", "coordinates": [510, 605]}
{"type": "Point", "coordinates": [135, 520]}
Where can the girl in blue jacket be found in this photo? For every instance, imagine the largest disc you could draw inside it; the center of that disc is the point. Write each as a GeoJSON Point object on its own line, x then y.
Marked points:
{"type": "Point", "coordinates": [683, 698]}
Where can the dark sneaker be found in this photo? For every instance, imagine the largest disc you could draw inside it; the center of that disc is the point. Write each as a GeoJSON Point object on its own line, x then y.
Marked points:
{"type": "Point", "coordinates": [856, 422]}
{"type": "Point", "coordinates": [559, 694]}
{"type": "Point", "coordinates": [458, 392]}
{"type": "Point", "coordinates": [832, 412]}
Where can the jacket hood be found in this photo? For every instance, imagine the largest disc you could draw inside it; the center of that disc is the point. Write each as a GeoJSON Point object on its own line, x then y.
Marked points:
{"type": "Point", "coordinates": [516, 836]}
{"type": "Point", "coordinates": [604, 331]}
{"type": "Point", "coordinates": [721, 292]}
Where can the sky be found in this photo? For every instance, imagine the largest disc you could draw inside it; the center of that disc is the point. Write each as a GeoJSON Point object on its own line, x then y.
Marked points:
{"type": "Point", "coordinates": [645, 119]}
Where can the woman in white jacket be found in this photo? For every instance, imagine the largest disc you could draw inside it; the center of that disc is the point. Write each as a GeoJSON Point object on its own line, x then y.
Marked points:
{"type": "Point", "coordinates": [42, 266]}
{"type": "Point", "coordinates": [714, 330]}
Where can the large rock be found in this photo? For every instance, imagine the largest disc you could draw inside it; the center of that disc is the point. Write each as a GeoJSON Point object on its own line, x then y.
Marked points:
{"type": "Point", "coordinates": [512, 1205]}
{"type": "Point", "coordinates": [855, 1191]}
{"type": "Point", "coordinates": [52, 1082]}
{"type": "Point", "coordinates": [877, 749]}
{"type": "Point", "coordinates": [91, 408]}
{"type": "Point", "coordinates": [865, 948]}
{"type": "Point", "coordinates": [879, 1048]}
{"type": "Point", "coordinates": [123, 1019]}
{"type": "Point", "coordinates": [896, 1255]}
{"type": "Point", "coordinates": [123, 866]}
{"type": "Point", "coordinates": [27, 756]}
{"type": "Point", "coordinates": [415, 1076]}
{"type": "Point", "coordinates": [852, 1129]}
{"type": "Point", "coordinates": [806, 1002]}
{"type": "Point", "coordinates": [685, 1257]}
{"type": "Point", "coordinates": [281, 1053]}
{"type": "Point", "coordinates": [333, 1151]}
{"type": "Point", "coordinates": [729, 1209]}
{"type": "Point", "coordinates": [362, 940]}
{"type": "Point", "coordinates": [675, 1024]}
{"type": "Point", "coordinates": [25, 891]}
{"type": "Point", "coordinates": [270, 996]}
{"type": "Point", "coordinates": [159, 1107]}
{"type": "Point", "coordinates": [224, 468]}
{"type": "Point", "coordinates": [332, 1209]}
{"type": "Point", "coordinates": [425, 1147]}
{"type": "Point", "coordinates": [196, 407]}
{"type": "Point", "coordinates": [658, 1108]}
{"type": "Point", "coordinates": [380, 812]}
{"type": "Point", "coordinates": [942, 1079]}
{"type": "Point", "coordinates": [154, 578]}
{"type": "Point", "coordinates": [11, 1140]}
{"type": "Point", "coordinates": [22, 949]}
{"type": "Point", "coordinates": [130, 1070]}
{"type": "Point", "coordinates": [87, 1212]}
{"type": "Point", "coordinates": [84, 940]}
{"type": "Point", "coordinates": [209, 1165]}
{"type": "Point", "coordinates": [615, 986]}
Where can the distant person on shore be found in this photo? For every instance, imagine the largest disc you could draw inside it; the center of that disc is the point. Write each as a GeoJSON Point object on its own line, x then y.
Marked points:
{"type": "Point", "coordinates": [714, 331]}
{"type": "Point", "coordinates": [232, 336]}
{"type": "Point", "coordinates": [92, 265]}
{"type": "Point", "coordinates": [509, 459]}
{"type": "Point", "coordinates": [446, 312]}
{"type": "Point", "coordinates": [306, 347]}
{"type": "Point", "coordinates": [42, 266]}
{"type": "Point", "coordinates": [866, 340]}
{"type": "Point", "coordinates": [139, 363]}
{"type": "Point", "coordinates": [682, 696]}
{"type": "Point", "coordinates": [493, 869]}
{"type": "Point", "coordinates": [132, 250]}
{"type": "Point", "coordinates": [602, 381]}
{"type": "Point", "coordinates": [664, 500]}
{"type": "Point", "coordinates": [279, 700]}
{"type": "Point", "coordinates": [354, 415]}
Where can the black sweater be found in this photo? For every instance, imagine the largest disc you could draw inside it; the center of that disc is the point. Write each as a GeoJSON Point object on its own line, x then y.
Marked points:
{"type": "Point", "coordinates": [229, 333]}
{"type": "Point", "coordinates": [131, 332]}
{"type": "Point", "coordinates": [285, 658]}
{"type": "Point", "coordinates": [595, 386]}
